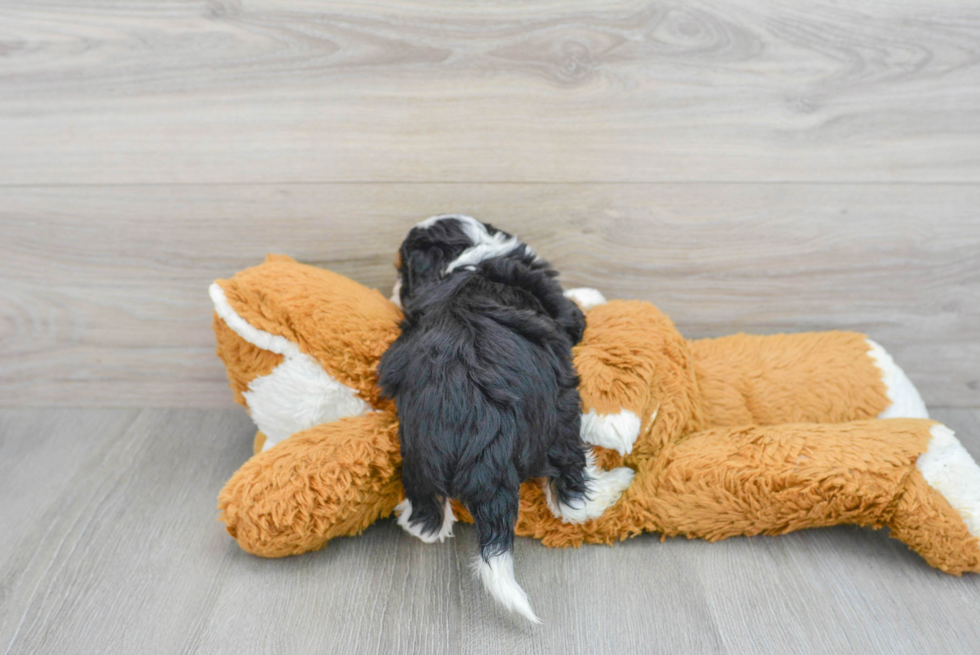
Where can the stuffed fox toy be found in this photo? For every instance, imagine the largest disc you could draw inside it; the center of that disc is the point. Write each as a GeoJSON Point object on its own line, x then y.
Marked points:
{"type": "Point", "coordinates": [739, 435]}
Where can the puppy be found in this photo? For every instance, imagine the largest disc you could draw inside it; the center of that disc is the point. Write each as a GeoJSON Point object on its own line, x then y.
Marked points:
{"type": "Point", "coordinates": [486, 392]}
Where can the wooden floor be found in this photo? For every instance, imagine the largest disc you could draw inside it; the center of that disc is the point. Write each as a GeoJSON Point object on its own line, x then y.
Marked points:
{"type": "Point", "coordinates": [749, 165]}
{"type": "Point", "coordinates": [110, 546]}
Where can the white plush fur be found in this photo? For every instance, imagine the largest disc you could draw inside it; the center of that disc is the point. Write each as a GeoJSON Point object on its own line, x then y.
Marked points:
{"type": "Point", "coordinates": [950, 470]}
{"type": "Point", "coordinates": [298, 394]}
{"type": "Point", "coordinates": [585, 297]}
{"type": "Point", "coordinates": [614, 431]}
{"type": "Point", "coordinates": [404, 510]}
{"type": "Point", "coordinates": [396, 293]}
{"type": "Point", "coordinates": [485, 245]}
{"type": "Point", "coordinates": [605, 488]}
{"type": "Point", "coordinates": [498, 579]}
{"type": "Point", "coordinates": [905, 399]}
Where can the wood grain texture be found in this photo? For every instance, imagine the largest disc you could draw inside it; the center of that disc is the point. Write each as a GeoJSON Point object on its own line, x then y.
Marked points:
{"type": "Point", "coordinates": [258, 91]}
{"type": "Point", "coordinates": [103, 296]}
{"type": "Point", "coordinates": [114, 549]}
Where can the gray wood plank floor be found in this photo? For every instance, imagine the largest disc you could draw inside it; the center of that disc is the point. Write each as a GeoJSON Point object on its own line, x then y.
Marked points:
{"type": "Point", "coordinates": [110, 546]}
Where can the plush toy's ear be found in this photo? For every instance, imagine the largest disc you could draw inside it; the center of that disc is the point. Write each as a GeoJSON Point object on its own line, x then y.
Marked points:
{"type": "Point", "coordinates": [342, 325]}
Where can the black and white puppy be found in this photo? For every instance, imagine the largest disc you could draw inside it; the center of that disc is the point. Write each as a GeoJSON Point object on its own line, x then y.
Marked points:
{"type": "Point", "coordinates": [486, 392]}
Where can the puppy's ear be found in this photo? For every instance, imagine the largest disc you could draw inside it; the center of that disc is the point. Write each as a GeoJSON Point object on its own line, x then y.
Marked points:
{"type": "Point", "coordinates": [572, 321]}
{"type": "Point", "coordinates": [401, 265]}
{"type": "Point", "coordinates": [420, 267]}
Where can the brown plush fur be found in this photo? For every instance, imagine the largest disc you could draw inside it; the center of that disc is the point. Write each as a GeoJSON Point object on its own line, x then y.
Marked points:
{"type": "Point", "coordinates": [334, 479]}
{"type": "Point", "coordinates": [817, 377]}
{"type": "Point", "coordinates": [741, 435]}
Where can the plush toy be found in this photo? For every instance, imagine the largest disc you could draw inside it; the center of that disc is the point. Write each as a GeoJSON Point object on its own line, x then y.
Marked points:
{"type": "Point", "coordinates": [739, 435]}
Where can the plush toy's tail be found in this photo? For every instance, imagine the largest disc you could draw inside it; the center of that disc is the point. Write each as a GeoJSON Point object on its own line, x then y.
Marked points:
{"type": "Point", "coordinates": [495, 565]}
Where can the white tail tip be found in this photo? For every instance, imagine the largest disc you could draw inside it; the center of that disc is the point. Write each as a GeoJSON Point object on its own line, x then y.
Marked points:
{"type": "Point", "coordinates": [498, 579]}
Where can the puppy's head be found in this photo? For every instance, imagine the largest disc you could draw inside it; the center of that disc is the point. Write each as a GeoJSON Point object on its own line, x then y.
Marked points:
{"type": "Point", "coordinates": [442, 244]}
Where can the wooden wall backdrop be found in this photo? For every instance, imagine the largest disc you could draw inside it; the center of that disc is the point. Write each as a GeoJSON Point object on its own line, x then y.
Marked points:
{"type": "Point", "coordinates": [758, 166]}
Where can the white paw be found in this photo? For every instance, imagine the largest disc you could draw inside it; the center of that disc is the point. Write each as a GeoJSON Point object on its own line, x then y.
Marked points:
{"type": "Point", "coordinates": [949, 469]}
{"type": "Point", "coordinates": [905, 398]}
{"type": "Point", "coordinates": [585, 297]}
{"type": "Point", "coordinates": [404, 510]}
{"type": "Point", "coordinates": [605, 488]}
{"type": "Point", "coordinates": [614, 431]}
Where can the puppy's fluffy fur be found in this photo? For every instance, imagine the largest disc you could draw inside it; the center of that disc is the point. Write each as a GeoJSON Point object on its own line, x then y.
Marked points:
{"type": "Point", "coordinates": [486, 392]}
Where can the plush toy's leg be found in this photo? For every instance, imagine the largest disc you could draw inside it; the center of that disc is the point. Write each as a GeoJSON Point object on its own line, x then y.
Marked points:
{"type": "Point", "coordinates": [910, 475]}
{"type": "Point", "coordinates": [818, 377]}
{"type": "Point", "coordinates": [941, 496]}
{"type": "Point", "coordinates": [332, 480]}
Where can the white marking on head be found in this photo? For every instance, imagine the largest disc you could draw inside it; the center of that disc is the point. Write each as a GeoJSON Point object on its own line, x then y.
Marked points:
{"type": "Point", "coordinates": [498, 578]}
{"type": "Point", "coordinates": [485, 245]}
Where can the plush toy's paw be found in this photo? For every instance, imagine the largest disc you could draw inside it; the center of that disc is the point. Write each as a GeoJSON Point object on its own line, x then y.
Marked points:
{"type": "Point", "coordinates": [404, 511]}
{"type": "Point", "coordinates": [950, 470]}
{"type": "Point", "coordinates": [585, 298]}
{"type": "Point", "coordinates": [613, 431]}
{"type": "Point", "coordinates": [905, 399]}
{"type": "Point", "coordinates": [605, 488]}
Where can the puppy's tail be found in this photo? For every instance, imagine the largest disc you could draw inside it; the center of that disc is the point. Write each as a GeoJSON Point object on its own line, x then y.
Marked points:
{"type": "Point", "coordinates": [494, 521]}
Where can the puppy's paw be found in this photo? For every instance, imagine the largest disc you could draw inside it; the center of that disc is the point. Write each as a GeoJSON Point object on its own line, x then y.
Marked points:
{"type": "Point", "coordinates": [404, 511]}
{"type": "Point", "coordinates": [605, 488]}
{"type": "Point", "coordinates": [585, 297]}
{"type": "Point", "coordinates": [613, 431]}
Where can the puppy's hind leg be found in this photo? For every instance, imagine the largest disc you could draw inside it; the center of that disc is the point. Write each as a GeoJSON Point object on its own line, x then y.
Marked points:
{"type": "Point", "coordinates": [578, 490]}
{"type": "Point", "coordinates": [430, 519]}
{"type": "Point", "coordinates": [603, 490]}
{"type": "Point", "coordinates": [424, 514]}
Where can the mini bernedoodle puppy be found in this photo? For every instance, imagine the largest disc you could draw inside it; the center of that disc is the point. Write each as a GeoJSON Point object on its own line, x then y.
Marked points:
{"type": "Point", "coordinates": [486, 393]}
